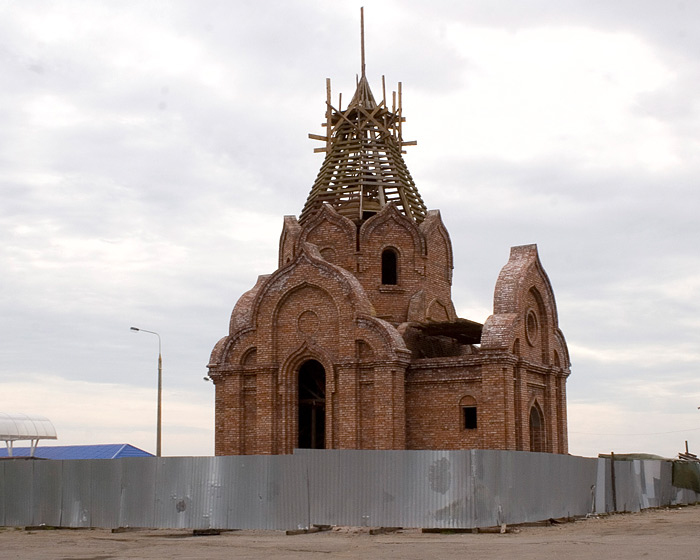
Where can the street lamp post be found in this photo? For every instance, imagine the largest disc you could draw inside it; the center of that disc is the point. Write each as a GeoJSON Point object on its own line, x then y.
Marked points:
{"type": "Point", "coordinates": [160, 388]}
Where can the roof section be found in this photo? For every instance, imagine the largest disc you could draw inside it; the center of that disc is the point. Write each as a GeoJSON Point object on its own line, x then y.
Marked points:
{"type": "Point", "coordinates": [364, 169]}
{"type": "Point", "coordinates": [462, 330]}
{"type": "Point", "coordinates": [67, 452]}
{"type": "Point", "coordinates": [15, 427]}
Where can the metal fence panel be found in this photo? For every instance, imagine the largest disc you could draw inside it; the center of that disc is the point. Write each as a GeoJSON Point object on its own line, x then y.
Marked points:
{"type": "Point", "coordinates": [663, 487]}
{"type": "Point", "coordinates": [516, 486]}
{"type": "Point", "coordinates": [180, 499]}
{"type": "Point", "coordinates": [46, 493]}
{"type": "Point", "coordinates": [214, 514]}
{"type": "Point", "coordinates": [75, 497]}
{"type": "Point", "coordinates": [341, 485]}
{"type": "Point", "coordinates": [138, 492]}
{"type": "Point", "coordinates": [649, 472]}
{"type": "Point", "coordinates": [444, 482]}
{"type": "Point", "coordinates": [639, 484]}
{"type": "Point", "coordinates": [389, 488]}
{"type": "Point", "coordinates": [627, 486]}
{"type": "Point", "coordinates": [441, 489]}
{"type": "Point", "coordinates": [487, 490]}
{"type": "Point", "coordinates": [265, 492]}
{"type": "Point", "coordinates": [2, 493]}
{"type": "Point", "coordinates": [603, 495]}
{"type": "Point", "coordinates": [105, 492]}
{"type": "Point", "coordinates": [435, 490]}
{"type": "Point", "coordinates": [685, 496]}
{"type": "Point", "coordinates": [18, 492]}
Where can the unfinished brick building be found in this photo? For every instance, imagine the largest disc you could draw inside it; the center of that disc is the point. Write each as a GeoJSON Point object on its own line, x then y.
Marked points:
{"type": "Point", "coordinates": [354, 343]}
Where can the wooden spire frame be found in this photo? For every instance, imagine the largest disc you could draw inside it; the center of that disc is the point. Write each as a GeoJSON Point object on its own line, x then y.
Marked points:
{"type": "Point", "coordinates": [364, 168]}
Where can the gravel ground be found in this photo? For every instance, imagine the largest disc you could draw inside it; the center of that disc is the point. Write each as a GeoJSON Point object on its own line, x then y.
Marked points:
{"type": "Point", "coordinates": [660, 533]}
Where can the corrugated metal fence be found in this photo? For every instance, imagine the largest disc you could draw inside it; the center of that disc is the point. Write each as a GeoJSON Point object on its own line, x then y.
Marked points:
{"type": "Point", "coordinates": [441, 489]}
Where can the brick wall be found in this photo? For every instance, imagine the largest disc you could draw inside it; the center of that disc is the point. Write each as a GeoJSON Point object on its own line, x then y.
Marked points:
{"type": "Point", "coordinates": [327, 302]}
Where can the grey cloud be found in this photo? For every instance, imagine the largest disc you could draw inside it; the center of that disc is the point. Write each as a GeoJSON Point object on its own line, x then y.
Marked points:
{"type": "Point", "coordinates": [167, 195]}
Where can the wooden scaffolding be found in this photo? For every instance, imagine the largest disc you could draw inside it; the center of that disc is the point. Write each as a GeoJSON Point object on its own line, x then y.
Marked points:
{"type": "Point", "coordinates": [364, 168]}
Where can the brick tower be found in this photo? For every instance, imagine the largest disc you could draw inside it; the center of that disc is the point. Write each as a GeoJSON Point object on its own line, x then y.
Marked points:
{"type": "Point", "coordinates": [354, 343]}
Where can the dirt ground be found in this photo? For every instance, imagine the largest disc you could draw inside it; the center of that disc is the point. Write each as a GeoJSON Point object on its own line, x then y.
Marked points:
{"type": "Point", "coordinates": [661, 533]}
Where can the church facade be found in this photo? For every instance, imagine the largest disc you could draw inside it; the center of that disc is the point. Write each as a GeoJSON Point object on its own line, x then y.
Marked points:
{"type": "Point", "coordinates": [354, 343]}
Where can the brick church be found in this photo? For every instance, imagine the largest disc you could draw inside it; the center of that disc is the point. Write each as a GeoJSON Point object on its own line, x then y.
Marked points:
{"type": "Point", "coordinates": [354, 343]}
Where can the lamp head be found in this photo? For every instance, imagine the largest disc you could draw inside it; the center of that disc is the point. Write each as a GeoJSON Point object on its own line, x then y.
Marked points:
{"type": "Point", "coordinates": [135, 329]}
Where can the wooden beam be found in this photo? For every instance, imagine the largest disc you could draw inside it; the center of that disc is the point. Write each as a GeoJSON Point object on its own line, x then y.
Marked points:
{"type": "Point", "coordinates": [362, 38]}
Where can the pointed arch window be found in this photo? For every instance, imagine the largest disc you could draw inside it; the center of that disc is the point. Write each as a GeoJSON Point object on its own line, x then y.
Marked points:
{"type": "Point", "coordinates": [537, 429]}
{"type": "Point", "coordinates": [390, 268]}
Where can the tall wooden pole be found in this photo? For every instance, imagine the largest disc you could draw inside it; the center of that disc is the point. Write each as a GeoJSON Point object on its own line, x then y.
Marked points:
{"type": "Point", "coordinates": [362, 38]}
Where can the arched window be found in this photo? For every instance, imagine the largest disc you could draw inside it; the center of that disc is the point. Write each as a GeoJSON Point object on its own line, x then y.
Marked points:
{"type": "Point", "coordinates": [537, 429]}
{"type": "Point", "coordinates": [390, 273]}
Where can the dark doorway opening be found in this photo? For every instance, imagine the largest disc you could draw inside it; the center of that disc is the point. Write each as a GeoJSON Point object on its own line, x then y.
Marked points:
{"type": "Point", "coordinates": [312, 405]}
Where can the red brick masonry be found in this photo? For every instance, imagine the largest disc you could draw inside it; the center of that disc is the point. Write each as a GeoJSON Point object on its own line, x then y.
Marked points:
{"type": "Point", "coordinates": [389, 383]}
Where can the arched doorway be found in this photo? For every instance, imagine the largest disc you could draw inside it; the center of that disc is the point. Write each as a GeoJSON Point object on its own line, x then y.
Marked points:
{"type": "Point", "coordinates": [537, 431]}
{"type": "Point", "coordinates": [312, 406]}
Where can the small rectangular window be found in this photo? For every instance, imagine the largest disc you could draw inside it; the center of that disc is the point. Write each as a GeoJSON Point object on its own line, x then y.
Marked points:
{"type": "Point", "coordinates": [469, 416]}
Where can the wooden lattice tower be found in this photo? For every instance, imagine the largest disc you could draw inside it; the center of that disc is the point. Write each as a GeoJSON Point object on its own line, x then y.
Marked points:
{"type": "Point", "coordinates": [364, 168]}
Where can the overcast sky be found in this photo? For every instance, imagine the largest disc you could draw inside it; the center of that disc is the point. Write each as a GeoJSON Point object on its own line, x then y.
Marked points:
{"type": "Point", "coordinates": [149, 151]}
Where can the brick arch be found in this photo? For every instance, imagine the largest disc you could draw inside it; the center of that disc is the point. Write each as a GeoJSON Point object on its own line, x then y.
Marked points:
{"type": "Point", "coordinates": [438, 243]}
{"type": "Point", "coordinates": [229, 350]}
{"type": "Point", "coordinates": [291, 230]}
{"type": "Point", "coordinates": [302, 353]}
{"type": "Point", "coordinates": [562, 349]}
{"type": "Point", "coordinates": [535, 308]}
{"type": "Point", "coordinates": [296, 304]}
{"type": "Point", "coordinates": [500, 331]}
{"type": "Point", "coordinates": [243, 315]}
{"type": "Point", "coordinates": [523, 287]}
{"type": "Point", "coordinates": [287, 390]}
{"type": "Point", "coordinates": [329, 230]}
{"type": "Point", "coordinates": [309, 267]}
{"type": "Point", "coordinates": [385, 340]}
{"type": "Point", "coordinates": [219, 351]}
{"type": "Point", "coordinates": [250, 356]}
{"type": "Point", "coordinates": [523, 271]}
{"type": "Point", "coordinates": [391, 214]}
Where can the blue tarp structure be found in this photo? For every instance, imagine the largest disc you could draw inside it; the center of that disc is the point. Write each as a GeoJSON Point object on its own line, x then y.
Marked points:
{"type": "Point", "coordinates": [65, 452]}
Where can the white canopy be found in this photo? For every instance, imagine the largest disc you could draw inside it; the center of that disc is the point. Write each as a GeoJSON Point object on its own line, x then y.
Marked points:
{"type": "Point", "coordinates": [14, 427]}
